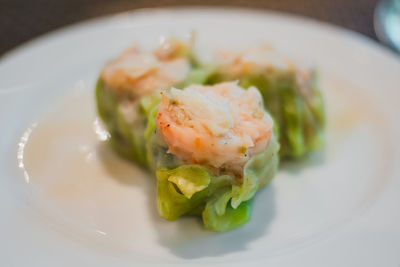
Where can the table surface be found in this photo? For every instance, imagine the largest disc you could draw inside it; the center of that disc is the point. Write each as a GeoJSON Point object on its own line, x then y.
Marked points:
{"type": "Point", "coordinates": [22, 20]}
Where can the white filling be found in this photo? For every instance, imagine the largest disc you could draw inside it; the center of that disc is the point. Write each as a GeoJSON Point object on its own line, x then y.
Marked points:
{"type": "Point", "coordinates": [202, 112]}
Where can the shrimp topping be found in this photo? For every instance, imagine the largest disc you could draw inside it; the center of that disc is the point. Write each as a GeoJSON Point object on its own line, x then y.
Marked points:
{"type": "Point", "coordinates": [263, 59]}
{"type": "Point", "coordinates": [220, 125]}
{"type": "Point", "coordinates": [138, 73]}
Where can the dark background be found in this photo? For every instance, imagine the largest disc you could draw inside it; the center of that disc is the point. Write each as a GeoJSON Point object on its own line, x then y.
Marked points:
{"type": "Point", "coordinates": [22, 20]}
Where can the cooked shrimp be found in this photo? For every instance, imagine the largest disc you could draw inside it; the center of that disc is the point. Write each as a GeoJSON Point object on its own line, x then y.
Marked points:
{"type": "Point", "coordinates": [139, 73]}
{"type": "Point", "coordinates": [234, 65]}
{"type": "Point", "coordinates": [220, 125]}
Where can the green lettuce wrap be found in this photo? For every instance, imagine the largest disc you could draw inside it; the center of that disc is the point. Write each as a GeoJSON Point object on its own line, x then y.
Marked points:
{"type": "Point", "coordinates": [127, 135]}
{"type": "Point", "coordinates": [300, 115]}
{"type": "Point", "coordinates": [295, 103]}
{"type": "Point", "coordinates": [223, 201]}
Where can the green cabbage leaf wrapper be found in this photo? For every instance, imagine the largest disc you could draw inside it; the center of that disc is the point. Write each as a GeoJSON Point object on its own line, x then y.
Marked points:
{"type": "Point", "coordinates": [300, 115]}
{"type": "Point", "coordinates": [127, 137]}
{"type": "Point", "coordinates": [223, 201]}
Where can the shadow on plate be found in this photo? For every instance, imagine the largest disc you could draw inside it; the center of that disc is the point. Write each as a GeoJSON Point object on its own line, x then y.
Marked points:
{"type": "Point", "coordinates": [311, 160]}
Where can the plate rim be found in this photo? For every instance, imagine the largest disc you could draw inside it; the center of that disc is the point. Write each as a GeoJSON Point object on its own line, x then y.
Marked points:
{"type": "Point", "coordinates": [345, 33]}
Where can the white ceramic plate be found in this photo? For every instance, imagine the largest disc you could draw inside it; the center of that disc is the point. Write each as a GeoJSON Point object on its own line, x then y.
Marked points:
{"type": "Point", "coordinates": [71, 202]}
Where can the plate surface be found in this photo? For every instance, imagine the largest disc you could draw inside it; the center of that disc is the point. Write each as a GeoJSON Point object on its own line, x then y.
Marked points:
{"type": "Point", "coordinates": [67, 200]}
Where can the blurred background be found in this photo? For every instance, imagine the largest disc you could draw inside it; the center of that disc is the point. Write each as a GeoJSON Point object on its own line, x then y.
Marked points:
{"type": "Point", "coordinates": [22, 20]}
